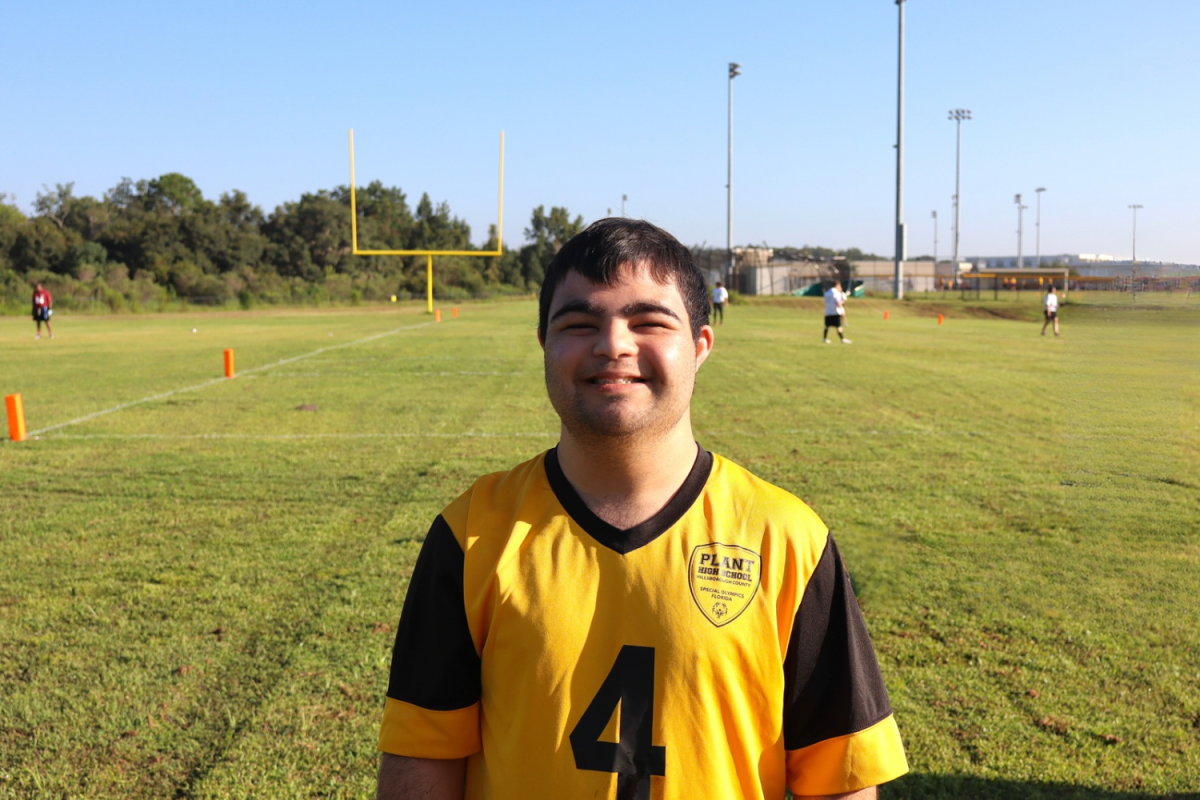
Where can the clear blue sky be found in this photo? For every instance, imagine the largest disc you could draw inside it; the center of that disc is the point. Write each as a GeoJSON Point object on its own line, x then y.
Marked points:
{"type": "Point", "coordinates": [1093, 99]}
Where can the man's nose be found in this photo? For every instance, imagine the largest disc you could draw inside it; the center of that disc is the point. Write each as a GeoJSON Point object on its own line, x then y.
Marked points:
{"type": "Point", "coordinates": [615, 340]}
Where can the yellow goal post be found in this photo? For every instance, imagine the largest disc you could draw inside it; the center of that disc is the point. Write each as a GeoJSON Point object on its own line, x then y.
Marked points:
{"type": "Point", "coordinates": [429, 254]}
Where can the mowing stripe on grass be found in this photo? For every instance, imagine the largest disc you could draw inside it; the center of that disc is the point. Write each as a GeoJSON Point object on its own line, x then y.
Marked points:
{"type": "Point", "coordinates": [251, 371]}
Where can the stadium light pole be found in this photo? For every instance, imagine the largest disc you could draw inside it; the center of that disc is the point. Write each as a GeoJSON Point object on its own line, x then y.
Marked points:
{"type": "Point", "coordinates": [735, 69]}
{"type": "Point", "coordinates": [1135, 208]}
{"type": "Point", "coordinates": [624, 197]}
{"type": "Point", "coordinates": [958, 115]}
{"type": "Point", "coordinates": [898, 292]}
{"type": "Point", "coordinates": [1020, 208]}
{"type": "Point", "coordinates": [935, 241]}
{"type": "Point", "coordinates": [1038, 262]}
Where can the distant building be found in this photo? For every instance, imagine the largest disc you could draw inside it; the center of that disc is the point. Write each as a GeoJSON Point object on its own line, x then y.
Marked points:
{"type": "Point", "coordinates": [1095, 265]}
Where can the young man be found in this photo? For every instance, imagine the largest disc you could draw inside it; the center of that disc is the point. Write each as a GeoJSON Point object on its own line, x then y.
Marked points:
{"type": "Point", "coordinates": [835, 311]}
{"type": "Point", "coordinates": [628, 615]}
{"type": "Point", "coordinates": [720, 296]}
{"type": "Point", "coordinates": [42, 309]}
{"type": "Point", "coordinates": [1051, 311]}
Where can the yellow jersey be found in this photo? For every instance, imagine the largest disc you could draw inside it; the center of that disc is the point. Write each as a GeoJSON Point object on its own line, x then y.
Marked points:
{"type": "Point", "coordinates": [715, 649]}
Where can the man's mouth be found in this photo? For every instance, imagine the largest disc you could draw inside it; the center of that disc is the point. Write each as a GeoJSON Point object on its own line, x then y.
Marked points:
{"type": "Point", "coordinates": [609, 380]}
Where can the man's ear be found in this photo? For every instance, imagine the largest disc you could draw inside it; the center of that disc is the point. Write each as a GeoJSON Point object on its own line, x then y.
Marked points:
{"type": "Point", "coordinates": [704, 345]}
{"type": "Point", "coordinates": [541, 339]}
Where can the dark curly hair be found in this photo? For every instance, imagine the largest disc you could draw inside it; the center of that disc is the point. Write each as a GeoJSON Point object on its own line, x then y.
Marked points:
{"type": "Point", "coordinates": [600, 251]}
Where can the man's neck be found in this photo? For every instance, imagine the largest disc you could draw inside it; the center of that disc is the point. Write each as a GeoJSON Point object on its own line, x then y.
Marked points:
{"type": "Point", "coordinates": [626, 482]}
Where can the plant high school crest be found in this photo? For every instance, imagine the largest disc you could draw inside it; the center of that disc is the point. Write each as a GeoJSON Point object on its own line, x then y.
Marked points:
{"type": "Point", "coordinates": [723, 579]}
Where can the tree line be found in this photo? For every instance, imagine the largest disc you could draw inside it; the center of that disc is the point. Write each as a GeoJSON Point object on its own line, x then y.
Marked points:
{"type": "Point", "coordinates": [149, 243]}
{"type": "Point", "coordinates": [153, 243]}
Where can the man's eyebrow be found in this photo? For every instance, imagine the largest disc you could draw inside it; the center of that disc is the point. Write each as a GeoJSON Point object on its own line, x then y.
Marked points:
{"type": "Point", "coordinates": [592, 310]}
{"type": "Point", "coordinates": [633, 309]}
{"type": "Point", "coordinates": [577, 307]}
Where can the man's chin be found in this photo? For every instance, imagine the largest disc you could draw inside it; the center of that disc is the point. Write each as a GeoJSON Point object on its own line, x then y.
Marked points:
{"type": "Point", "coordinates": [609, 425]}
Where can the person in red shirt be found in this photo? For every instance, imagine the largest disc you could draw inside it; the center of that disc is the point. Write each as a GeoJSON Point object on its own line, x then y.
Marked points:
{"type": "Point", "coordinates": [42, 303]}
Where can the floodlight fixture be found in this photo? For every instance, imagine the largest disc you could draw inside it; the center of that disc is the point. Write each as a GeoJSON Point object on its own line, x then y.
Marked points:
{"type": "Point", "coordinates": [935, 241]}
{"type": "Point", "coordinates": [1038, 262]}
{"type": "Point", "coordinates": [901, 237]}
{"type": "Point", "coordinates": [735, 69]}
{"type": "Point", "coordinates": [1020, 208]}
{"type": "Point", "coordinates": [958, 115]}
{"type": "Point", "coordinates": [1135, 207]}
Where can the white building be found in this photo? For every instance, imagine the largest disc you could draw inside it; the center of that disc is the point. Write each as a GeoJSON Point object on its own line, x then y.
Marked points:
{"type": "Point", "coordinates": [1099, 265]}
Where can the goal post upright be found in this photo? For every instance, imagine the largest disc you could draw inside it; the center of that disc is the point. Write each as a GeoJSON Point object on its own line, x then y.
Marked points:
{"type": "Point", "coordinates": [429, 254]}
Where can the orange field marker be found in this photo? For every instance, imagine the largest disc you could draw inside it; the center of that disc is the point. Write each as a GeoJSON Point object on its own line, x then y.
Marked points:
{"type": "Point", "coordinates": [454, 311]}
{"type": "Point", "coordinates": [885, 316]}
{"type": "Point", "coordinates": [941, 319]}
{"type": "Point", "coordinates": [229, 364]}
{"type": "Point", "coordinates": [437, 315]}
{"type": "Point", "coordinates": [16, 417]}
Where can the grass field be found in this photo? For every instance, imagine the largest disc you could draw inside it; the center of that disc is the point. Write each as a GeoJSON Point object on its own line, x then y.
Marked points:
{"type": "Point", "coordinates": [198, 592]}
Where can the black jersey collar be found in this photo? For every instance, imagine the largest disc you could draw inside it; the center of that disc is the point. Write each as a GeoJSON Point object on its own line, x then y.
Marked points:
{"type": "Point", "coordinates": [626, 541]}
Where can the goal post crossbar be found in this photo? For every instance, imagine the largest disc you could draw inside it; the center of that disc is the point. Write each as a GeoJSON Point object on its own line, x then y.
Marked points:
{"type": "Point", "coordinates": [429, 254]}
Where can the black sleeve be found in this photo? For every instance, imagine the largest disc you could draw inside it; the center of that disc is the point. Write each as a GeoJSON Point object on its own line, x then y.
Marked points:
{"type": "Point", "coordinates": [832, 685]}
{"type": "Point", "coordinates": [434, 663]}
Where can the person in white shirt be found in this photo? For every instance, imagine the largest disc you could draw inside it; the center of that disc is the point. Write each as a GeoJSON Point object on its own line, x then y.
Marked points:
{"type": "Point", "coordinates": [835, 312]}
{"type": "Point", "coordinates": [720, 296]}
{"type": "Point", "coordinates": [1051, 311]}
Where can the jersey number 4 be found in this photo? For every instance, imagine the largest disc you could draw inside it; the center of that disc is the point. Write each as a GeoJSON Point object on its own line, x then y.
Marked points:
{"type": "Point", "coordinates": [630, 683]}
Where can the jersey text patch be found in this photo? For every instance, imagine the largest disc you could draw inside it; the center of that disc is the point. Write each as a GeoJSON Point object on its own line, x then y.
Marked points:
{"type": "Point", "coordinates": [723, 579]}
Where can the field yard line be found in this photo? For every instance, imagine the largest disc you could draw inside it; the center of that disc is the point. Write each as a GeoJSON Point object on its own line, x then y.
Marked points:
{"type": "Point", "coordinates": [198, 386]}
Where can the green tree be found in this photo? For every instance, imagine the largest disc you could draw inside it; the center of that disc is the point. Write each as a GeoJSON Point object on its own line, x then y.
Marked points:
{"type": "Point", "coordinates": [174, 193]}
{"type": "Point", "coordinates": [309, 236]}
{"type": "Point", "coordinates": [42, 246]}
{"type": "Point", "coordinates": [545, 236]}
{"type": "Point", "coordinates": [11, 221]}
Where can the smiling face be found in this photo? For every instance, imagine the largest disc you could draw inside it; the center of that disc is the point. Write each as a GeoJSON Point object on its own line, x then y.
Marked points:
{"type": "Point", "coordinates": [621, 360]}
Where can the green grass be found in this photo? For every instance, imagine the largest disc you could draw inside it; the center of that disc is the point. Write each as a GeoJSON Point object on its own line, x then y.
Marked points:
{"type": "Point", "coordinates": [198, 593]}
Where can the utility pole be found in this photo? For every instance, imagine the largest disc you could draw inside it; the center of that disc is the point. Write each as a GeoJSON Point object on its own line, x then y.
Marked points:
{"type": "Point", "coordinates": [958, 115]}
{"type": "Point", "coordinates": [1020, 208]}
{"type": "Point", "coordinates": [734, 70]}
{"type": "Point", "coordinates": [1135, 208]}
{"type": "Point", "coordinates": [624, 197]}
{"type": "Point", "coordinates": [935, 240]}
{"type": "Point", "coordinates": [900, 238]}
{"type": "Point", "coordinates": [1039, 191]}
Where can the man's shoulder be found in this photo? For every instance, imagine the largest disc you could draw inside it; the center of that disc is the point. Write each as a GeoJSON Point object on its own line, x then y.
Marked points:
{"type": "Point", "coordinates": [759, 497]}
{"type": "Point", "coordinates": [498, 492]}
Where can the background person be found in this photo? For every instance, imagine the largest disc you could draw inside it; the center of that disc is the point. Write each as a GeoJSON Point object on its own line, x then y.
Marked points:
{"type": "Point", "coordinates": [1051, 310]}
{"type": "Point", "coordinates": [835, 312]}
{"type": "Point", "coordinates": [720, 296]}
{"type": "Point", "coordinates": [630, 568]}
{"type": "Point", "coordinates": [42, 310]}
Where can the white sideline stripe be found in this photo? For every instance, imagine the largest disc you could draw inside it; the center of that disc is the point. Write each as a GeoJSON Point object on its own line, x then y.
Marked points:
{"type": "Point", "coordinates": [462, 435]}
{"type": "Point", "coordinates": [207, 383]}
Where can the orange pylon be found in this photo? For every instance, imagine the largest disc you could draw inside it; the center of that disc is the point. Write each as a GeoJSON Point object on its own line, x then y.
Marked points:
{"type": "Point", "coordinates": [16, 417]}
